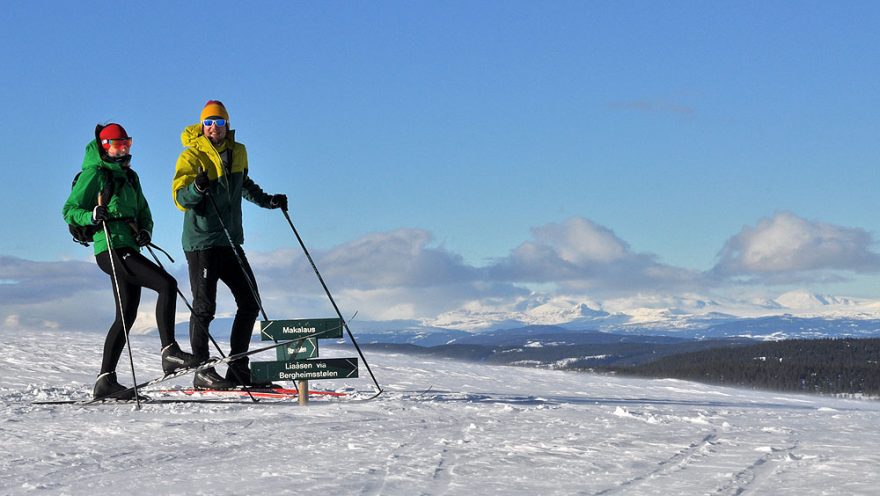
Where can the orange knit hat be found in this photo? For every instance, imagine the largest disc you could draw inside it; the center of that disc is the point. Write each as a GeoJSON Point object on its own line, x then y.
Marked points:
{"type": "Point", "coordinates": [214, 108]}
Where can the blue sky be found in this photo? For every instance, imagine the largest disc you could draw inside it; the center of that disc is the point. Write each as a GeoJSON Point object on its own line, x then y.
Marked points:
{"type": "Point", "coordinates": [592, 148]}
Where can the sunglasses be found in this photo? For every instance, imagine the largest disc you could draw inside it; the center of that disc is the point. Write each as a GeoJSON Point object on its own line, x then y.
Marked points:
{"type": "Point", "coordinates": [212, 122]}
{"type": "Point", "coordinates": [116, 142]}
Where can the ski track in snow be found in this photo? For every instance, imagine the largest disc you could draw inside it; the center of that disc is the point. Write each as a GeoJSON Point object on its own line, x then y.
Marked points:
{"type": "Point", "coordinates": [441, 427]}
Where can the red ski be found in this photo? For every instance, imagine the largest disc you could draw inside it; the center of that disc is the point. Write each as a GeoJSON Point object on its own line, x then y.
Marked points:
{"type": "Point", "coordinates": [274, 393]}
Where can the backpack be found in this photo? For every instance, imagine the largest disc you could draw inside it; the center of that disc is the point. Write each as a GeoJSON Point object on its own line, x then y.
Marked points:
{"type": "Point", "coordinates": [86, 234]}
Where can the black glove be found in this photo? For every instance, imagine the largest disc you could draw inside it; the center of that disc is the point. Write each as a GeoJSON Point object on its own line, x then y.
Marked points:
{"type": "Point", "coordinates": [100, 214]}
{"type": "Point", "coordinates": [278, 201]}
{"type": "Point", "coordinates": [202, 180]}
{"type": "Point", "coordinates": [142, 238]}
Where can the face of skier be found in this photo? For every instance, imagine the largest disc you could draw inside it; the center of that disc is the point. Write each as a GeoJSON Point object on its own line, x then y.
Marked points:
{"type": "Point", "coordinates": [215, 132]}
{"type": "Point", "coordinates": [119, 147]}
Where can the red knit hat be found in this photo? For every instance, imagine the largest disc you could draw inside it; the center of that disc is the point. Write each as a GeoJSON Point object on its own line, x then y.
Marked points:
{"type": "Point", "coordinates": [112, 131]}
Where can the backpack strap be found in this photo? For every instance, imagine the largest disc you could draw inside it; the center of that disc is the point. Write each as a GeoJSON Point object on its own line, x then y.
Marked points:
{"type": "Point", "coordinates": [132, 177]}
{"type": "Point", "coordinates": [110, 184]}
{"type": "Point", "coordinates": [108, 189]}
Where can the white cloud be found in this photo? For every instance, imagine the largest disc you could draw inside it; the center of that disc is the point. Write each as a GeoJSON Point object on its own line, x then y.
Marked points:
{"type": "Point", "coordinates": [580, 254]}
{"type": "Point", "coordinates": [49, 295]}
{"type": "Point", "coordinates": [389, 275]}
{"type": "Point", "coordinates": [786, 247]}
{"type": "Point", "coordinates": [70, 295]}
{"type": "Point", "coordinates": [397, 258]}
{"type": "Point", "coordinates": [27, 281]}
{"type": "Point", "coordinates": [402, 274]}
{"type": "Point", "coordinates": [400, 258]}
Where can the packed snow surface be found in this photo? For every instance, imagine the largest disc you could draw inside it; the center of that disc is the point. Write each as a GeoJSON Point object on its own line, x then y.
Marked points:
{"type": "Point", "coordinates": [441, 427]}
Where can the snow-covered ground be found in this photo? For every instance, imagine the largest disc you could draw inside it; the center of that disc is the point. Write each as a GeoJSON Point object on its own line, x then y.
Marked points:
{"type": "Point", "coordinates": [442, 427]}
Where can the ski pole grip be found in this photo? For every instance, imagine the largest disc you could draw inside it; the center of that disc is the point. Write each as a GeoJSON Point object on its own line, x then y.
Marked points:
{"type": "Point", "coordinates": [206, 190]}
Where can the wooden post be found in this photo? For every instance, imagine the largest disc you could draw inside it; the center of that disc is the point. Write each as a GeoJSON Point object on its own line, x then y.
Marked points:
{"type": "Point", "coordinates": [303, 390]}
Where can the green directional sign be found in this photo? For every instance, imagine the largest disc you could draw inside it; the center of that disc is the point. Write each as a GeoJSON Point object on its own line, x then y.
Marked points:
{"type": "Point", "coordinates": [291, 329]}
{"type": "Point", "coordinates": [316, 369]}
{"type": "Point", "coordinates": [298, 350]}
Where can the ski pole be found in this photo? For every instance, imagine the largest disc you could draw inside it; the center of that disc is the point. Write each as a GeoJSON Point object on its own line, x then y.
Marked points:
{"type": "Point", "coordinates": [137, 396]}
{"type": "Point", "coordinates": [330, 296]}
{"type": "Point", "coordinates": [208, 333]}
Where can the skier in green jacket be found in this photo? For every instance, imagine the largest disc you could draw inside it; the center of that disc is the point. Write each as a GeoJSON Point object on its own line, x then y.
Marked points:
{"type": "Point", "coordinates": [108, 192]}
{"type": "Point", "coordinates": [210, 180]}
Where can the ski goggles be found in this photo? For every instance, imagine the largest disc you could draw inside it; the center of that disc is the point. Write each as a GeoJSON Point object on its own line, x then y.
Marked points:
{"type": "Point", "coordinates": [117, 143]}
{"type": "Point", "coordinates": [212, 122]}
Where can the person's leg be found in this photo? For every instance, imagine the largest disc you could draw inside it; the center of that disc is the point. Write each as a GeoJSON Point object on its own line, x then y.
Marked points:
{"type": "Point", "coordinates": [243, 286]}
{"type": "Point", "coordinates": [203, 276]}
{"type": "Point", "coordinates": [106, 385]}
{"type": "Point", "coordinates": [130, 294]}
{"type": "Point", "coordinates": [203, 281]}
{"type": "Point", "coordinates": [144, 273]}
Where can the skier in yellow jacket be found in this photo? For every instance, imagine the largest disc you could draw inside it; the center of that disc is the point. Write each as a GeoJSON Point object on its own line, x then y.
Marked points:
{"type": "Point", "coordinates": [214, 164]}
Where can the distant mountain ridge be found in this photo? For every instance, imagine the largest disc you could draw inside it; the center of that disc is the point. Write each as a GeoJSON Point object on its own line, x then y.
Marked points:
{"type": "Point", "coordinates": [791, 315]}
{"type": "Point", "coordinates": [759, 328]}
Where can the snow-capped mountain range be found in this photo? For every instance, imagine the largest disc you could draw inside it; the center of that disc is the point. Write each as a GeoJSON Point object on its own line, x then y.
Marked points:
{"type": "Point", "coordinates": [790, 315]}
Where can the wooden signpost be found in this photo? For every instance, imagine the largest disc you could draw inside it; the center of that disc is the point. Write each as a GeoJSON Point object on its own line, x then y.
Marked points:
{"type": "Point", "coordinates": [298, 361]}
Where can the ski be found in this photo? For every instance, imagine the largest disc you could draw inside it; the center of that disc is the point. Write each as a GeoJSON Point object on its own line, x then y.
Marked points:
{"type": "Point", "coordinates": [211, 362]}
{"type": "Point", "coordinates": [374, 396]}
{"type": "Point", "coordinates": [228, 396]}
{"type": "Point", "coordinates": [269, 393]}
{"type": "Point", "coordinates": [150, 401]}
{"type": "Point", "coordinates": [257, 392]}
{"type": "Point", "coordinates": [218, 396]}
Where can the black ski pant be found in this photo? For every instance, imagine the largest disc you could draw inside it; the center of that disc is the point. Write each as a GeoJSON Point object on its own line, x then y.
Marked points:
{"type": "Point", "coordinates": [206, 267]}
{"type": "Point", "coordinates": [134, 271]}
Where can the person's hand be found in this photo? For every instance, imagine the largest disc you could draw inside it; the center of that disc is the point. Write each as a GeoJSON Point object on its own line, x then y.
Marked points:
{"type": "Point", "coordinates": [100, 214]}
{"type": "Point", "coordinates": [142, 238]}
{"type": "Point", "coordinates": [202, 180]}
{"type": "Point", "coordinates": [278, 201]}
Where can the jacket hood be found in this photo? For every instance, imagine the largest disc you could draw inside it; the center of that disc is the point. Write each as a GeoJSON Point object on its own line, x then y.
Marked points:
{"type": "Point", "coordinates": [94, 158]}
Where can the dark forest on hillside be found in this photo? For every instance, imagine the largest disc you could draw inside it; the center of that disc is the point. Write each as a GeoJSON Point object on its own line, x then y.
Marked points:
{"type": "Point", "coordinates": [828, 366]}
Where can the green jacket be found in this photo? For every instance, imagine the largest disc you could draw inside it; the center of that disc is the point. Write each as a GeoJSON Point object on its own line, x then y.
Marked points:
{"type": "Point", "coordinates": [201, 227]}
{"type": "Point", "coordinates": [127, 201]}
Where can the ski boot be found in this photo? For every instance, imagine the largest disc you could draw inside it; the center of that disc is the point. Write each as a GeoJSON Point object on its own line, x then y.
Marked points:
{"type": "Point", "coordinates": [210, 379]}
{"type": "Point", "coordinates": [173, 359]}
{"type": "Point", "coordinates": [239, 374]}
{"type": "Point", "coordinates": [106, 388]}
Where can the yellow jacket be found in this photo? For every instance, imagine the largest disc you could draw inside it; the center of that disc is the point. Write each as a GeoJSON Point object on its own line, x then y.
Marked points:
{"type": "Point", "coordinates": [201, 225]}
{"type": "Point", "coordinates": [200, 152]}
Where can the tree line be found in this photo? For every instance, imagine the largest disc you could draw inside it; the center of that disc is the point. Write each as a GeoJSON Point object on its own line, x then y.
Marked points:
{"type": "Point", "coordinates": [826, 366]}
